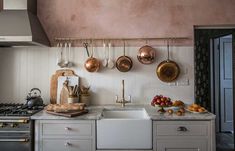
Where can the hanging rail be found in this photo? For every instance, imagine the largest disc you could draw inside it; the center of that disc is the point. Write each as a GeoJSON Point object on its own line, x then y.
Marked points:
{"type": "Point", "coordinates": [116, 39]}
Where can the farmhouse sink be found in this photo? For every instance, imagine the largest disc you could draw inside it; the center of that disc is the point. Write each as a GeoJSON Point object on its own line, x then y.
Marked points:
{"type": "Point", "coordinates": [124, 129]}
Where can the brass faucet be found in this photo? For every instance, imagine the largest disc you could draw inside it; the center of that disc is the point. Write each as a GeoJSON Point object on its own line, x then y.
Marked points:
{"type": "Point", "coordinates": [123, 101]}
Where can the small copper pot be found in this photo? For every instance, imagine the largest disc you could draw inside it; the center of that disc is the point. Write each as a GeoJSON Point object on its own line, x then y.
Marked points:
{"type": "Point", "coordinates": [146, 55]}
{"type": "Point", "coordinates": [92, 64]}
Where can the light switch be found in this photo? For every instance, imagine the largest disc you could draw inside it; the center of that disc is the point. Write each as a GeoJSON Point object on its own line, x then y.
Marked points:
{"type": "Point", "coordinates": [184, 82]}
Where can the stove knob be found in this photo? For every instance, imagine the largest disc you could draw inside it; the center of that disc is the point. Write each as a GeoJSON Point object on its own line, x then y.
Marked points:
{"type": "Point", "coordinates": [2, 125]}
{"type": "Point", "coordinates": [13, 125]}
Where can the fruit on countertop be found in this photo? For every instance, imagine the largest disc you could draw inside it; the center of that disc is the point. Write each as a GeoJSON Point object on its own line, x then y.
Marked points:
{"type": "Point", "coordinates": [160, 100]}
{"type": "Point", "coordinates": [178, 103]}
{"type": "Point", "coordinates": [196, 108]}
{"type": "Point", "coordinates": [170, 111]}
{"type": "Point", "coordinates": [179, 113]}
{"type": "Point", "coordinates": [182, 110]}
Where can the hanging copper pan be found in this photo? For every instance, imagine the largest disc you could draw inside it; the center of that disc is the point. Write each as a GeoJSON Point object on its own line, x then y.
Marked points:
{"type": "Point", "coordinates": [124, 63]}
{"type": "Point", "coordinates": [168, 70]}
{"type": "Point", "coordinates": [92, 64]}
{"type": "Point", "coordinates": [146, 55]}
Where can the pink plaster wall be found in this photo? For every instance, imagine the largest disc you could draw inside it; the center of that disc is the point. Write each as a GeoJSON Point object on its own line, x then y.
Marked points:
{"type": "Point", "coordinates": [1, 5]}
{"type": "Point", "coordinates": [132, 18]}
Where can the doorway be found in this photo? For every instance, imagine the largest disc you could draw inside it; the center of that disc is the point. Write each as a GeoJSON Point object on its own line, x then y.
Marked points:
{"type": "Point", "coordinates": [214, 74]}
{"type": "Point", "coordinates": [221, 56]}
{"type": "Point", "coordinates": [222, 66]}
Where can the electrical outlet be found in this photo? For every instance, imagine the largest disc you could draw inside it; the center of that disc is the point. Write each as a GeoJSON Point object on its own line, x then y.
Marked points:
{"type": "Point", "coordinates": [184, 82]}
{"type": "Point", "coordinates": [171, 83]}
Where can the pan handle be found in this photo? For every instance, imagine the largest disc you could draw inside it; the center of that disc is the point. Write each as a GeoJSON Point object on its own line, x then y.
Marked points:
{"type": "Point", "coordinates": [85, 44]}
{"type": "Point", "coordinates": [168, 51]}
{"type": "Point", "coordinates": [124, 48]}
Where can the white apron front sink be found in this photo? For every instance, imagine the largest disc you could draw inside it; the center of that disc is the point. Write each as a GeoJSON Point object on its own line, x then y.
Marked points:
{"type": "Point", "coordinates": [124, 129]}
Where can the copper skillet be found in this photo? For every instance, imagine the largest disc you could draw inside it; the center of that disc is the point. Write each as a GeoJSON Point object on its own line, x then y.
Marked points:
{"type": "Point", "coordinates": [168, 70]}
{"type": "Point", "coordinates": [124, 63]}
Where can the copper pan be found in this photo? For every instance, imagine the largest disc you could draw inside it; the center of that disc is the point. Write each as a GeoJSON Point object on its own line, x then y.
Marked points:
{"type": "Point", "coordinates": [92, 64]}
{"type": "Point", "coordinates": [146, 55]}
{"type": "Point", "coordinates": [168, 70]}
{"type": "Point", "coordinates": [124, 63]}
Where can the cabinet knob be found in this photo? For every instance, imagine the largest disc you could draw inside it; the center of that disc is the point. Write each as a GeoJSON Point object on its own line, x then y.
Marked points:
{"type": "Point", "coordinates": [182, 129]}
{"type": "Point", "coordinates": [67, 128]}
{"type": "Point", "coordinates": [67, 144]}
{"type": "Point", "coordinates": [13, 125]}
{"type": "Point", "coordinates": [2, 125]}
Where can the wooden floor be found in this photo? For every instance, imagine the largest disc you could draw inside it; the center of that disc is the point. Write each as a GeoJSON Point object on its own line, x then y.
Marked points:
{"type": "Point", "coordinates": [224, 142]}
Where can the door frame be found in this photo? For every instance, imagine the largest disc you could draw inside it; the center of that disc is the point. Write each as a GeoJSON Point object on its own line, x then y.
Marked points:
{"type": "Point", "coordinates": [232, 28]}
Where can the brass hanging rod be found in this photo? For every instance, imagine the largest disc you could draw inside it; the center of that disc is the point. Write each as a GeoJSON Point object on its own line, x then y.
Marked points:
{"type": "Point", "coordinates": [119, 39]}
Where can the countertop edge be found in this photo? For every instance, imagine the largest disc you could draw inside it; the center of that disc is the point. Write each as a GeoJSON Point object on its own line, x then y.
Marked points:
{"type": "Point", "coordinates": [95, 113]}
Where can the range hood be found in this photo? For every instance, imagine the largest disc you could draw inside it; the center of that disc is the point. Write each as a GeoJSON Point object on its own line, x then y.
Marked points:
{"type": "Point", "coordinates": [19, 25]}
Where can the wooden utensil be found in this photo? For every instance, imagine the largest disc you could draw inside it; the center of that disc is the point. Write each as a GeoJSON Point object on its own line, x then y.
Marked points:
{"type": "Point", "coordinates": [72, 81]}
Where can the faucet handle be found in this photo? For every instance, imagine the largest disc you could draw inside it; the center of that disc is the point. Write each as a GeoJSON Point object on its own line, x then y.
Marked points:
{"type": "Point", "coordinates": [129, 99]}
{"type": "Point", "coordinates": [116, 98]}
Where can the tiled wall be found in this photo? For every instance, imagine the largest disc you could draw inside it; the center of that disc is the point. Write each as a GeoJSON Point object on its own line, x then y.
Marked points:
{"type": "Point", "coordinates": [24, 68]}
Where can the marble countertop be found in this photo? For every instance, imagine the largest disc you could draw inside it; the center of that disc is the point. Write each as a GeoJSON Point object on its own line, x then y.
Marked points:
{"type": "Point", "coordinates": [95, 113]}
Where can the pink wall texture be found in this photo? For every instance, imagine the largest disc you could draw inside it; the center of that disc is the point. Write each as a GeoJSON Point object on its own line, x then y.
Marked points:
{"type": "Point", "coordinates": [132, 18]}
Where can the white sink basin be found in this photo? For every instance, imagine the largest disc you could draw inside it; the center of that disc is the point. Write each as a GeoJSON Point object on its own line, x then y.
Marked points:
{"type": "Point", "coordinates": [124, 129]}
{"type": "Point", "coordinates": [125, 114]}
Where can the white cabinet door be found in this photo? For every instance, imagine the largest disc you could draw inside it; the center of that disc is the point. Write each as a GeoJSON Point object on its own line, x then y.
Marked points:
{"type": "Point", "coordinates": [66, 145]}
{"type": "Point", "coordinates": [181, 145]}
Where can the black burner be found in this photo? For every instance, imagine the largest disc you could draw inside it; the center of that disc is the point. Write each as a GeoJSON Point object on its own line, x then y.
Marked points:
{"type": "Point", "coordinates": [16, 109]}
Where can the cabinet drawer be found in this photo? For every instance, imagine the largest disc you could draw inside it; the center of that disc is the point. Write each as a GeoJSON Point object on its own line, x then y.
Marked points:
{"type": "Point", "coordinates": [182, 145]}
{"type": "Point", "coordinates": [179, 128]}
{"type": "Point", "coordinates": [78, 129]}
{"type": "Point", "coordinates": [66, 145]}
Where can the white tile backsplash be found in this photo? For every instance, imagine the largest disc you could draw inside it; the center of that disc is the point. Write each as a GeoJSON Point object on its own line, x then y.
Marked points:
{"type": "Point", "coordinates": [26, 67]}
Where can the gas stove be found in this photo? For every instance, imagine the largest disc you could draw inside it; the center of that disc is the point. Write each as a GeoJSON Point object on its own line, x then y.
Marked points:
{"type": "Point", "coordinates": [16, 109]}
{"type": "Point", "coordinates": [16, 128]}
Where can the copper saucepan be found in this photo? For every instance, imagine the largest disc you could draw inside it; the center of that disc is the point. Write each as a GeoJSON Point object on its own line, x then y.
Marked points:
{"type": "Point", "coordinates": [168, 70]}
{"type": "Point", "coordinates": [124, 63]}
{"type": "Point", "coordinates": [92, 64]}
{"type": "Point", "coordinates": [146, 54]}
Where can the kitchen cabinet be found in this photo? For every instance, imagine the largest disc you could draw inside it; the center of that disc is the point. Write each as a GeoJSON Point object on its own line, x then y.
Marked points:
{"type": "Point", "coordinates": [183, 135]}
{"type": "Point", "coordinates": [62, 135]}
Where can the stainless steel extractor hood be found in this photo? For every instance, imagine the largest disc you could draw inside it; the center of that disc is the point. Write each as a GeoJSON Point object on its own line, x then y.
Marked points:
{"type": "Point", "coordinates": [19, 25]}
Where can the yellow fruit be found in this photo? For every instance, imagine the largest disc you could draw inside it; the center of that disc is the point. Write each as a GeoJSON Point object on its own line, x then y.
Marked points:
{"type": "Point", "coordinates": [170, 111]}
{"type": "Point", "coordinates": [179, 113]}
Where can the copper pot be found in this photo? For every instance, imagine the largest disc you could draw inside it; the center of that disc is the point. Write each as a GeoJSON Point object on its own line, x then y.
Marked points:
{"type": "Point", "coordinates": [168, 70]}
{"type": "Point", "coordinates": [146, 55]}
{"type": "Point", "coordinates": [92, 64]}
{"type": "Point", "coordinates": [124, 63]}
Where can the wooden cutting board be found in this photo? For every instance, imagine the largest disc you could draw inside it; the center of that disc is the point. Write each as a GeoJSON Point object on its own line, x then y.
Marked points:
{"type": "Point", "coordinates": [69, 114]}
{"type": "Point", "coordinates": [54, 82]}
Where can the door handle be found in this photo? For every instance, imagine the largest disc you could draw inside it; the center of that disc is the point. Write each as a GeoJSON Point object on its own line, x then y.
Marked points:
{"type": "Point", "coordinates": [15, 140]}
